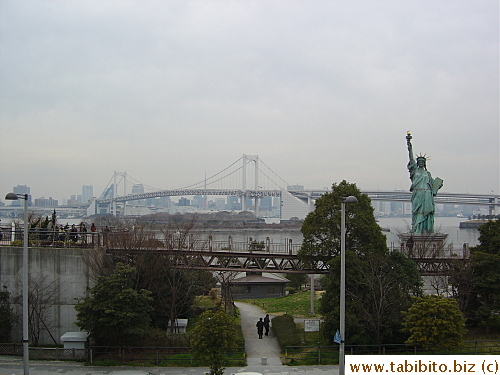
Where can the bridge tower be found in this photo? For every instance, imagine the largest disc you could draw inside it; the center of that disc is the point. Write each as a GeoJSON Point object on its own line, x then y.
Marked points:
{"type": "Point", "coordinates": [493, 208]}
{"type": "Point", "coordinates": [247, 159]}
{"type": "Point", "coordinates": [116, 175]}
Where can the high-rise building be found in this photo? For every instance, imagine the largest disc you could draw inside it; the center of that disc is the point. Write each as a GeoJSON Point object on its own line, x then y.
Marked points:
{"type": "Point", "coordinates": [21, 189]}
{"type": "Point", "coordinates": [138, 189]}
{"type": "Point", "coordinates": [198, 201]}
{"type": "Point", "coordinates": [87, 193]}
{"type": "Point", "coordinates": [184, 202]}
{"type": "Point", "coordinates": [44, 202]}
{"type": "Point", "coordinates": [73, 201]}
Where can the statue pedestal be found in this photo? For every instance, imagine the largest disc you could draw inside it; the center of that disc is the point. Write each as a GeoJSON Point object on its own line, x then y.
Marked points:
{"type": "Point", "coordinates": [425, 245]}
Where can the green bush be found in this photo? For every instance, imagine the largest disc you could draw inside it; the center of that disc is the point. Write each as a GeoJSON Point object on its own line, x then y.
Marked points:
{"type": "Point", "coordinates": [286, 331]}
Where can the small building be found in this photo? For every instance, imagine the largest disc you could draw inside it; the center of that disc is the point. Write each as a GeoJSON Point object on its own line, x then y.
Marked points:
{"type": "Point", "coordinates": [74, 340]}
{"type": "Point", "coordinates": [258, 285]}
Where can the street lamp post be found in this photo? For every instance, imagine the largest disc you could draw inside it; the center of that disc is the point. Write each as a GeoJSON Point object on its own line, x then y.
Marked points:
{"type": "Point", "coordinates": [349, 199]}
{"type": "Point", "coordinates": [14, 196]}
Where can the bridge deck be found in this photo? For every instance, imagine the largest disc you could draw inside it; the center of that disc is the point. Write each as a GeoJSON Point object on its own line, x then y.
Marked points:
{"type": "Point", "coordinates": [263, 261]}
{"type": "Point", "coordinates": [256, 261]}
{"type": "Point", "coordinates": [223, 255]}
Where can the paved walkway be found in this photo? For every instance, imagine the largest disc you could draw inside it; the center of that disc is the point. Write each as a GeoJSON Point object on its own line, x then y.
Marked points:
{"type": "Point", "coordinates": [258, 351]}
{"type": "Point", "coordinates": [255, 349]}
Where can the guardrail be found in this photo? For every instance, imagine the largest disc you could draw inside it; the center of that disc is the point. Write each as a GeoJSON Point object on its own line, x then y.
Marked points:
{"type": "Point", "coordinates": [51, 238]}
{"type": "Point", "coordinates": [139, 240]}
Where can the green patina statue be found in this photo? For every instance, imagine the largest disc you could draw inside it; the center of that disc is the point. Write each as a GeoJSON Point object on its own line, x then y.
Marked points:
{"type": "Point", "coordinates": [423, 188]}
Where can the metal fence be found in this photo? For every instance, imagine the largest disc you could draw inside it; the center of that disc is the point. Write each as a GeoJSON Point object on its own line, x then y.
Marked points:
{"type": "Point", "coordinates": [131, 239]}
{"type": "Point", "coordinates": [322, 355]}
{"type": "Point", "coordinates": [159, 356]}
{"type": "Point", "coordinates": [51, 238]}
{"type": "Point", "coordinates": [44, 353]}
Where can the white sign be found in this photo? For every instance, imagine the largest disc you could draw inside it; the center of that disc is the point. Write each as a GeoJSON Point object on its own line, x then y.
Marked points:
{"type": "Point", "coordinates": [311, 325]}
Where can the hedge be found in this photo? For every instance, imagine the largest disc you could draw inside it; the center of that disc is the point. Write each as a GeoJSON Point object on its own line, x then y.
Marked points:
{"type": "Point", "coordinates": [286, 331]}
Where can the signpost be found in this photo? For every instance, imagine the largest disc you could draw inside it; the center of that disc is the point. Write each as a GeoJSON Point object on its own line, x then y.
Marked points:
{"type": "Point", "coordinates": [311, 325]}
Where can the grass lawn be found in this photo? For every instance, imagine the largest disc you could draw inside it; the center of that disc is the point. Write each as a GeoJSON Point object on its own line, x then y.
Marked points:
{"type": "Point", "coordinates": [298, 304]}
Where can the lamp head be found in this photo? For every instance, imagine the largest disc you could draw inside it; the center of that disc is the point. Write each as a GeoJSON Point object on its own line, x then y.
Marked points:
{"type": "Point", "coordinates": [11, 197]}
{"type": "Point", "coordinates": [350, 199]}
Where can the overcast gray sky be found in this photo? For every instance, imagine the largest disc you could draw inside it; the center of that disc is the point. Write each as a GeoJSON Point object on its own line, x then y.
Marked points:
{"type": "Point", "coordinates": [321, 90]}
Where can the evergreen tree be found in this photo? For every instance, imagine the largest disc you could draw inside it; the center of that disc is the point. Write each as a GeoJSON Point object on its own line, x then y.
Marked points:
{"type": "Point", "coordinates": [485, 261]}
{"type": "Point", "coordinates": [489, 238]}
{"type": "Point", "coordinates": [213, 336]}
{"type": "Point", "coordinates": [434, 322]}
{"type": "Point", "coordinates": [476, 282]}
{"type": "Point", "coordinates": [115, 313]}
{"type": "Point", "coordinates": [379, 283]}
{"type": "Point", "coordinates": [321, 228]}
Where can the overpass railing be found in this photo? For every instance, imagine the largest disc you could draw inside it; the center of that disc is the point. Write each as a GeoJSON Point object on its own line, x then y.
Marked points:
{"type": "Point", "coordinates": [152, 240]}
{"type": "Point", "coordinates": [139, 240]}
{"type": "Point", "coordinates": [51, 238]}
{"type": "Point", "coordinates": [146, 240]}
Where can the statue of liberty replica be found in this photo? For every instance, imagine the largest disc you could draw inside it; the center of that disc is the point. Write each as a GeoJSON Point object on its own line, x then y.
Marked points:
{"type": "Point", "coordinates": [423, 188]}
{"type": "Point", "coordinates": [422, 241]}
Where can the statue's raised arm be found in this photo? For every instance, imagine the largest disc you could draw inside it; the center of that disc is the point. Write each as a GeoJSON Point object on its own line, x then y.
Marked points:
{"type": "Point", "coordinates": [410, 147]}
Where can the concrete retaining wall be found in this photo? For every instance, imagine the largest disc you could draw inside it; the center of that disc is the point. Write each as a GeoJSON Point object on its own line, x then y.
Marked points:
{"type": "Point", "coordinates": [62, 271]}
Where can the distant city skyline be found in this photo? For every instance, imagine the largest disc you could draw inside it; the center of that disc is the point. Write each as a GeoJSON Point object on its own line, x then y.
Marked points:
{"type": "Point", "coordinates": [268, 207]}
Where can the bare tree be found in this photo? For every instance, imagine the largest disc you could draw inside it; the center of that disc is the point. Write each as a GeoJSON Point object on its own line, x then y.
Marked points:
{"type": "Point", "coordinates": [183, 285]}
{"type": "Point", "coordinates": [461, 282]}
{"type": "Point", "coordinates": [226, 278]}
{"type": "Point", "coordinates": [439, 284]}
{"type": "Point", "coordinates": [174, 288]}
{"type": "Point", "coordinates": [43, 295]}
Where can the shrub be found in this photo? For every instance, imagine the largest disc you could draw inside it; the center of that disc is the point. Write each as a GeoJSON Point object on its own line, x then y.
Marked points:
{"type": "Point", "coordinates": [286, 331]}
{"type": "Point", "coordinates": [434, 322]}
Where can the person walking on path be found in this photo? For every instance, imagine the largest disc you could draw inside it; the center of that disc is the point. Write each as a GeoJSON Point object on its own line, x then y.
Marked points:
{"type": "Point", "coordinates": [257, 349]}
{"type": "Point", "coordinates": [260, 328]}
{"type": "Point", "coordinates": [266, 324]}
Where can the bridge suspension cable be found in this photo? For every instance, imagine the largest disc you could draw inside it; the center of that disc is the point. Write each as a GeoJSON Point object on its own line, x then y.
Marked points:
{"type": "Point", "coordinates": [204, 183]}
{"type": "Point", "coordinates": [152, 188]}
{"type": "Point", "coordinates": [274, 173]}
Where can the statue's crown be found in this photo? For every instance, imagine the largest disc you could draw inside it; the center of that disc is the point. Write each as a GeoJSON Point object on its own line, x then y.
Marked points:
{"type": "Point", "coordinates": [424, 156]}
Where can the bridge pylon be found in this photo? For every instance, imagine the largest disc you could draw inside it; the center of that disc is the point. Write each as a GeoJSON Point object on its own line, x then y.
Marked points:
{"type": "Point", "coordinates": [116, 176]}
{"type": "Point", "coordinates": [248, 159]}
